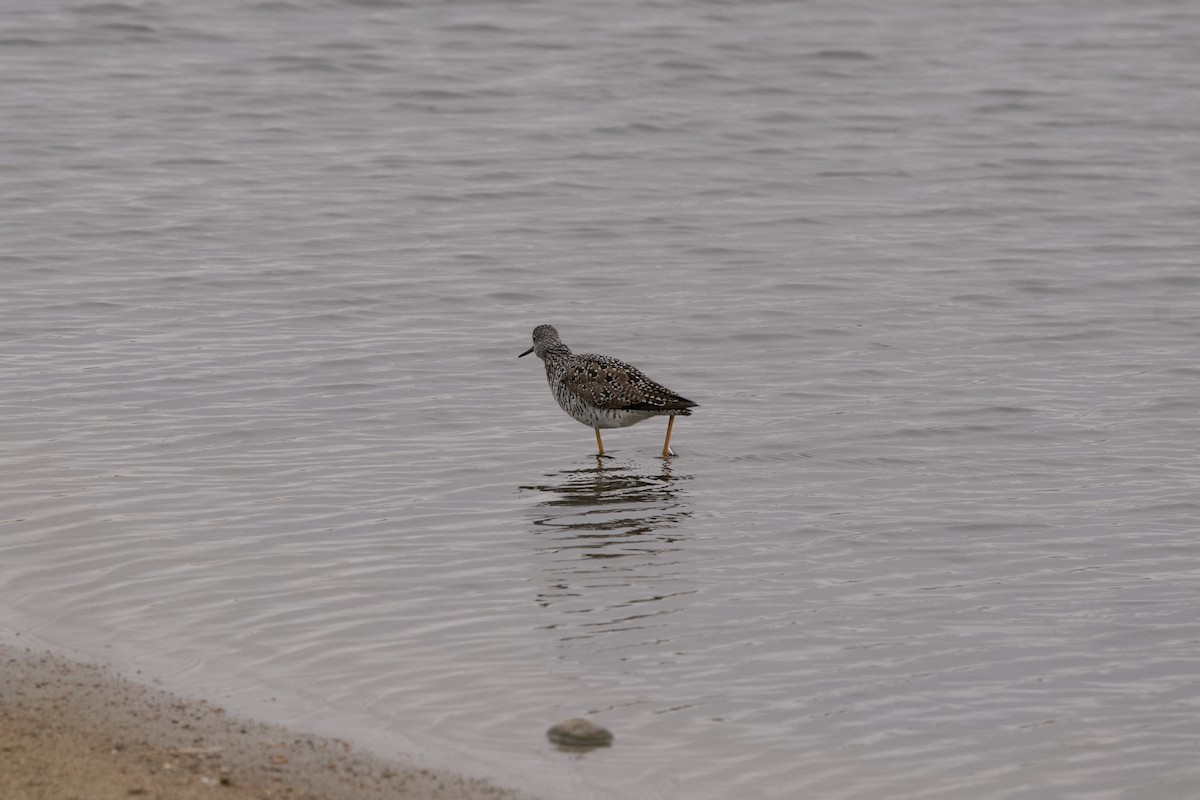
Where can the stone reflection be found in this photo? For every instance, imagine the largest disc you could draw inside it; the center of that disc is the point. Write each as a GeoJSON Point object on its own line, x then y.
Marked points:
{"type": "Point", "coordinates": [610, 546]}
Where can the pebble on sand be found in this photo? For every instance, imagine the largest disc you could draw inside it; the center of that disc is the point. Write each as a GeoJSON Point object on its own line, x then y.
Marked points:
{"type": "Point", "coordinates": [579, 733]}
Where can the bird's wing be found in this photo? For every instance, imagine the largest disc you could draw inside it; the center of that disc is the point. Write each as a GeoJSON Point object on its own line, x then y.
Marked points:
{"type": "Point", "coordinates": [607, 382]}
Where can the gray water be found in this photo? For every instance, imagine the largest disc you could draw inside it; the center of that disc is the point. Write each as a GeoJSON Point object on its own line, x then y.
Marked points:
{"type": "Point", "coordinates": [930, 269]}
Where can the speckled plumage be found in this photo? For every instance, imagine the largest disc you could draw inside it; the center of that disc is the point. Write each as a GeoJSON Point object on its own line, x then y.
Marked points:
{"type": "Point", "coordinates": [602, 391]}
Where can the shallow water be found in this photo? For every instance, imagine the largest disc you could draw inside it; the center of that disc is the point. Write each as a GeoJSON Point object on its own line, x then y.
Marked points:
{"type": "Point", "coordinates": [930, 272]}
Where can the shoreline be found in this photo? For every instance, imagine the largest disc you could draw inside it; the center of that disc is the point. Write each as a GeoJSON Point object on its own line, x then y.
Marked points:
{"type": "Point", "coordinates": [70, 729]}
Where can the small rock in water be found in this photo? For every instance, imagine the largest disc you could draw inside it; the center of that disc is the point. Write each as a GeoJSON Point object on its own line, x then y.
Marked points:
{"type": "Point", "coordinates": [579, 733]}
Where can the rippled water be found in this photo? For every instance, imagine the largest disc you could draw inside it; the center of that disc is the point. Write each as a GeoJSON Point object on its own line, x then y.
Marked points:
{"type": "Point", "coordinates": [930, 269]}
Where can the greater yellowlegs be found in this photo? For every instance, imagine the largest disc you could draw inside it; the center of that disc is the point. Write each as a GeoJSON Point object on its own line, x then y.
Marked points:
{"type": "Point", "coordinates": [602, 391]}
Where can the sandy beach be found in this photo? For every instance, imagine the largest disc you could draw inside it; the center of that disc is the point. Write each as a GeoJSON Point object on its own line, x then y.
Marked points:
{"type": "Point", "coordinates": [72, 730]}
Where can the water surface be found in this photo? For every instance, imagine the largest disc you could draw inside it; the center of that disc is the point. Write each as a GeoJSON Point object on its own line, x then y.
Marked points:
{"type": "Point", "coordinates": [930, 272]}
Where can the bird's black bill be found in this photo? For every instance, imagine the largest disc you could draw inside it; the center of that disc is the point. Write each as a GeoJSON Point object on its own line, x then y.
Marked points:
{"type": "Point", "coordinates": [527, 352]}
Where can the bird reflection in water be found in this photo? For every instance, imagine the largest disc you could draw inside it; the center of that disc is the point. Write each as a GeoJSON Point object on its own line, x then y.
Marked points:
{"type": "Point", "coordinates": [604, 509]}
{"type": "Point", "coordinates": [610, 546]}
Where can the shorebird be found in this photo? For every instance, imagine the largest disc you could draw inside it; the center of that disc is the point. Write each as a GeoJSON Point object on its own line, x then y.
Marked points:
{"type": "Point", "coordinates": [602, 391]}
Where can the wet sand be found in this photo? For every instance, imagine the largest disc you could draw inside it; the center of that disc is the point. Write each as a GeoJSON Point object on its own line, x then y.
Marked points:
{"type": "Point", "coordinates": [71, 730]}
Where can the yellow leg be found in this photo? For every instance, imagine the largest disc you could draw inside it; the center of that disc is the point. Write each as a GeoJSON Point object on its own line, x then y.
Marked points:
{"type": "Point", "coordinates": [667, 442]}
{"type": "Point", "coordinates": [599, 443]}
